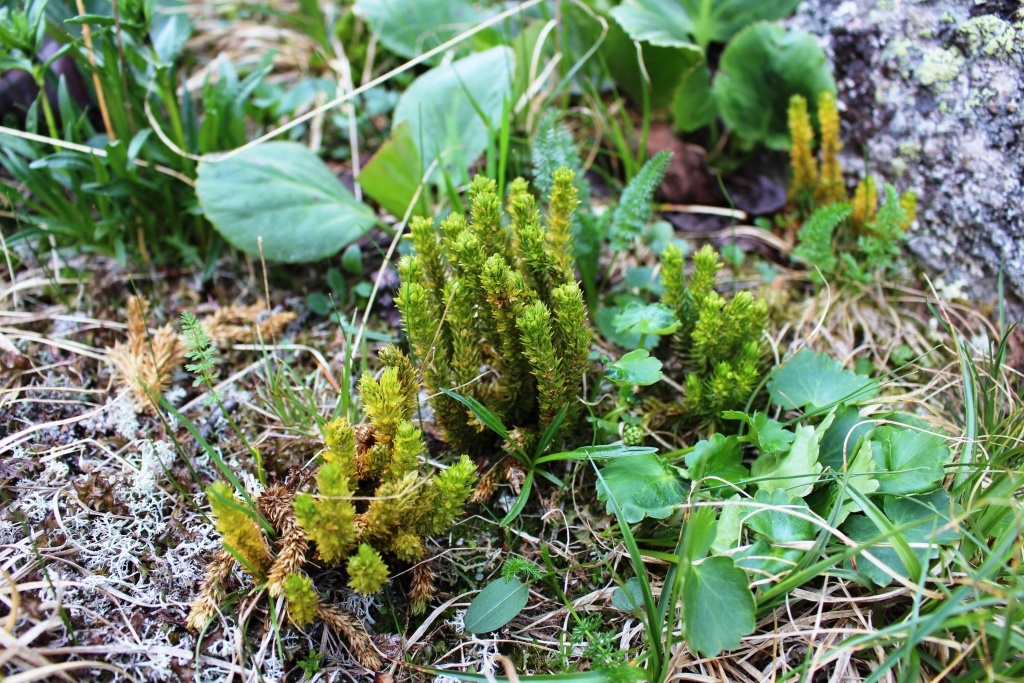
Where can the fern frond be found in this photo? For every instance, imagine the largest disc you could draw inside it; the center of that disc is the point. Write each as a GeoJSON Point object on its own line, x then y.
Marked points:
{"type": "Point", "coordinates": [634, 209]}
{"type": "Point", "coordinates": [815, 237]}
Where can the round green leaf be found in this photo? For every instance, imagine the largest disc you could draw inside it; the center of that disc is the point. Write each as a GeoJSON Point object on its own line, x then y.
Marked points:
{"type": "Point", "coordinates": [352, 259]}
{"type": "Point", "coordinates": [496, 605]}
{"type": "Point", "coordinates": [650, 319]}
{"type": "Point", "coordinates": [450, 108]}
{"type": "Point", "coordinates": [761, 68]}
{"type": "Point", "coordinates": [718, 606]}
{"type": "Point", "coordinates": [641, 486]}
{"type": "Point", "coordinates": [636, 368]}
{"type": "Point", "coordinates": [284, 193]}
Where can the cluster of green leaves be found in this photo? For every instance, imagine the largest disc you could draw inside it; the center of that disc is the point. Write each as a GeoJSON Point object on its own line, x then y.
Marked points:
{"type": "Point", "coordinates": [721, 341]}
{"type": "Point", "coordinates": [372, 499]}
{"type": "Point", "coordinates": [853, 238]}
{"type": "Point", "coordinates": [835, 464]}
{"type": "Point", "coordinates": [828, 243]}
{"type": "Point", "coordinates": [761, 66]}
{"type": "Point", "coordinates": [134, 193]}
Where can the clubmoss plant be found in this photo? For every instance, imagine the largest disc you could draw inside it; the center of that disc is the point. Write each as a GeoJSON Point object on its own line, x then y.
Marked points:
{"type": "Point", "coordinates": [493, 310]}
{"type": "Point", "coordinates": [854, 236]}
{"type": "Point", "coordinates": [371, 500]}
{"type": "Point", "coordinates": [721, 340]}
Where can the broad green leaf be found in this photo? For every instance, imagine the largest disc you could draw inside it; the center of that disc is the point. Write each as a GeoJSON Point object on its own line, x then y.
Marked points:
{"type": "Point", "coordinates": [681, 22]}
{"type": "Point", "coordinates": [729, 525]}
{"type": "Point", "coordinates": [718, 606]}
{"type": "Point", "coordinates": [797, 471]}
{"type": "Point", "coordinates": [650, 319]}
{"type": "Point", "coordinates": [765, 560]}
{"type": "Point", "coordinates": [629, 598]}
{"type": "Point", "coordinates": [665, 23]}
{"type": "Point", "coordinates": [393, 174]}
{"type": "Point", "coordinates": [443, 107]}
{"type": "Point", "coordinates": [760, 69]}
{"type": "Point", "coordinates": [636, 368]}
{"type": "Point", "coordinates": [860, 475]}
{"type": "Point", "coordinates": [765, 433]}
{"type": "Point", "coordinates": [662, 71]}
{"type": "Point", "coordinates": [411, 27]}
{"type": "Point", "coordinates": [496, 605]}
{"type": "Point", "coordinates": [283, 193]}
{"type": "Point", "coordinates": [909, 461]}
{"type": "Point", "coordinates": [927, 522]}
{"type": "Point", "coordinates": [813, 380]}
{"type": "Point", "coordinates": [694, 106]}
{"type": "Point", "coordinates": [719, 456]}
{"type": "Point", "coordinates": [840, 441]}
{"type": "Point", "coordinates": [642, 486]}
{"type": "Point", "coordinates": [777, 525]}
{"type": "Point", "coordinates": [606, 324]}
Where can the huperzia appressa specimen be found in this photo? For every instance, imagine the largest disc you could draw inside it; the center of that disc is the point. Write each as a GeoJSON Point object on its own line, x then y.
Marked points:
{"type": "Point", "coordinates": [372, 503]}
{"type": "Point", "coordinates": [721, 340]}
{"type": "Point", "coordinates": [493, 310]}
{"type": "Point", "coordinates": [854, 236]}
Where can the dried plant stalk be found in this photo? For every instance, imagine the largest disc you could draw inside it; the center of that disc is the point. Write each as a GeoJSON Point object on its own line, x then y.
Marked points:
{"type": "Point", "coordinates": [245, 323]}
{"type": "Point", "coordinates": [212, 592]}
{"type": "Point", "coordinates": [145, 362]}
{"type": "Point", "coordinates": [352, 630]}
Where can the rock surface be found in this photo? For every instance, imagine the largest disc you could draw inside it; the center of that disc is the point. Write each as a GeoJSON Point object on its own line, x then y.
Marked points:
{"type": "Point", "coordinates": [932, 93]}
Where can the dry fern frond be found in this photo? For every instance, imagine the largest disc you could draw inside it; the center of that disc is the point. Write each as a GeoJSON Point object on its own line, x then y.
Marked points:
{"type": "Point", "coordinates": [276, 505]}
{"type": "Point", "coordinates": [145, 360]}
{"type": "Point", "coordinates": [352, 630]}
{"type": "Point", "coordinates": [245, 323]}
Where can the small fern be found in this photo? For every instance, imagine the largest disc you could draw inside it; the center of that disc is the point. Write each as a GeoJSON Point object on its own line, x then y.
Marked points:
{"type": "Point", "coordinates": [634, 209]}
{"type": "Point", "coordinates": [816, 248]}
{"type": "Point", "coordinates": [200, 350]}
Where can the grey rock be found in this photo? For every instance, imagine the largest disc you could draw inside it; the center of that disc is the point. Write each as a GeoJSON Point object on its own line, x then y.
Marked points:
{"type": "Point", "coordinates": [930, 93]}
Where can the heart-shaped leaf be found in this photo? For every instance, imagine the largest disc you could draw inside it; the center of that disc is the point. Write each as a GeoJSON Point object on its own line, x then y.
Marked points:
{"type": "Point", "coordinates": [283, 193]}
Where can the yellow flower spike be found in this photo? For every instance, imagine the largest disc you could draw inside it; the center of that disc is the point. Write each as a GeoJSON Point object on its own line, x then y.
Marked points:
{"type": "Point", "coordinates": [865, 203]}
{"type": "Point", "coordinates": [831, 188]}
{"type": "Point", "coordinates": [805, 169]}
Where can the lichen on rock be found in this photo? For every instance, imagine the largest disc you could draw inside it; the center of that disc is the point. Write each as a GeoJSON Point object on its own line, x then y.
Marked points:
{"type": "Point", "coordinates": [932, 93]}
